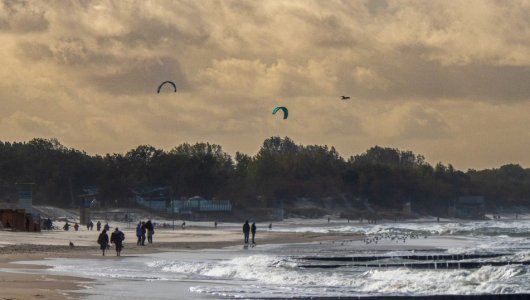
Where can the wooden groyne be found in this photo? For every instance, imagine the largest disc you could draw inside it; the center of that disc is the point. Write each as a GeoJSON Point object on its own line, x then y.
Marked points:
{"type": "Point", "coordinates": [429, 265]}
{"type": "Point", "coordinates": [409, 257]}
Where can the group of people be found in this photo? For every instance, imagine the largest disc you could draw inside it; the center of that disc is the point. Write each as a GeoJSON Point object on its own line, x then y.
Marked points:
{"type": "Point", "coordinates": [142, 229]}
{"type": "Point", "coordinates": [117, 237]}
{"type": "Point", "coordinates": [67, 225]}
{"type": "Point", "coordinates": [247, 230]}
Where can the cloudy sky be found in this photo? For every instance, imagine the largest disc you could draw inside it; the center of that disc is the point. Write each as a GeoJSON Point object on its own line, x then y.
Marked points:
{"type": "Point", "coordinates": [446, 79]}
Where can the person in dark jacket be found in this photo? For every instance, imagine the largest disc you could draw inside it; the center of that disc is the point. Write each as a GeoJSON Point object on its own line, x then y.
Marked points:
{"type": "Point", "coordinates": [103, 241]}
{"type": "Point", "coordinates": [246, 231]}
{"type": "Point", "coordinates": [139, 234]}
{"type": "Point", "coordinates": [144, 231]}
{"type": "Point", "coordinates": [117, 238]}
{"type": "Point", "coordinates": [253, 231]}
{"type": "Point", "coordinates": [150, 231]}
{"type": "Point", "coordinates": [98, 226]}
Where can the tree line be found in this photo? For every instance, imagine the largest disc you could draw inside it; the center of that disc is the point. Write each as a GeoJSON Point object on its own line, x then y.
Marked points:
{"type": "Point", "coordinates": [281, 171]}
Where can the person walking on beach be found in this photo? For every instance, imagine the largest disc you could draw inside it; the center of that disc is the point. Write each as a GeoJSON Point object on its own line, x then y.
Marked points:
{"type": "Point", "coordinates": [144, 231]}
{"type": "Point", "coordinates": [150, 231]}
{"type": "Point", "coordinates": [98, 226]}
{"type": "Point", "coordinates": [253, 231]}
{"type": "Point", "coordinates": [103, 241]}
{"type": "Point", "coordinates": [117, 238]}
{"type": "Point", "coordinates": [139, 234]}
{"type": "Point", "coordinates": [246, 231]}
{"type": "Point", "coordinates": [76, 227]}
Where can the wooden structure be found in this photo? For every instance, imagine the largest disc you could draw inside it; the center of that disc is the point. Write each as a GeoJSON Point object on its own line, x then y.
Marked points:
{"type": "Point", "coordinates": [19, 220]}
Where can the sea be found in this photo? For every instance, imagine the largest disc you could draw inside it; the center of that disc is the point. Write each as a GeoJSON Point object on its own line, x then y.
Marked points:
{"type": "Point", "coordinates": [407, 258]}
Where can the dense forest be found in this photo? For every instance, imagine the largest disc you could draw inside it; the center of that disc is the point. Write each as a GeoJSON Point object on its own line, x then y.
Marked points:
{"type": "Point", "coordinates": [281, 170]}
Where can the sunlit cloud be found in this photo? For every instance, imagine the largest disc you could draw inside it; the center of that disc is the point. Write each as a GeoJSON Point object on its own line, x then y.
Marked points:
{"type": "Point", "coordinates": [86, 72]}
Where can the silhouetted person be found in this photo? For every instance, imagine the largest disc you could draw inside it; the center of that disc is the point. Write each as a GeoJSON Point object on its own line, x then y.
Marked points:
{"type": "Point", "coordinates": [253, 231]}
{"type": "Point", "coordinates": [98, 226]}
{"type": "Point", "coordinates": [139, 234]}
{"type": "Point", "coordinates": [106, 227]}
{"type": "Point", "coordinates": [144, 231]}
{"type": "Point", "coordinates": [246, 231]}
{"type": "Point", "coordinates": [117, 238]}
{"type": "Point", "coordinates": [103, 241]}
{"type": "Point", "coordinates": [66, 226]}
{"type": "Point", "coordinates": [183, 225]}
{"type": "Point", "coordinates": [76, 227]}
{"type": "Point", "coordinates": [150, 231]}
{"type": "Point", "coordinates": [215, 224]}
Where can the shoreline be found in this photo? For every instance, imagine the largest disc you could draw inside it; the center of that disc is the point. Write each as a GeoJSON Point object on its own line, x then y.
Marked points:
{"type": "Point", "coordinates": [14, 284]}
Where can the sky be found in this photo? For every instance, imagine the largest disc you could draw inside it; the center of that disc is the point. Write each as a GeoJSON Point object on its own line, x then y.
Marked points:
{"type": "Point", "coordinates": [446, 79]}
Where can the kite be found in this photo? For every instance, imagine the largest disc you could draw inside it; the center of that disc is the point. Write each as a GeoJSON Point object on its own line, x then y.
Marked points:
{"type": "Point", "coordinates": [170, 82]}
{"type": "Point", "coordinates": [284, 109]}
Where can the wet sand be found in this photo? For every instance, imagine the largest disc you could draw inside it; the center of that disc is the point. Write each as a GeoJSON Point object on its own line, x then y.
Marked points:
{"type": "Point", "coordinates": [17, 281]}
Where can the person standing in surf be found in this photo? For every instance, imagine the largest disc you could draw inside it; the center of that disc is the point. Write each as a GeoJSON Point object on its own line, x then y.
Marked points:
{"type": "Point", "coordinates": [246, 231]}
{"type": "Point", "coordinates": [253, 231]}
{"type": "Point", "coordinates": [103, 241]}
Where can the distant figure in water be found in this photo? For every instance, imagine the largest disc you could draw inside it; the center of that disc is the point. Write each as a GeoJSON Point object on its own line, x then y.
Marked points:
{"type": "Point", "coordinates": [117, 238]}
{"type": "Point", "coordinates": [66, 226]}
{"type": "Point", "coordinates": [183, 225]}
{"type": "Point", "coordinates": [98, 226]}
{"type": "Point", "coordinates": [329, 220]}
{"type": "Point", "coordinates": [270, 226]}
{"type": "Point", "coordinates": [103, 241]}
{"type": "Point", "coordinates": [76, 227]}
{"type": "Point", "coordinates": [253, 231]}
{"type": "Point", "coordinates": [246, 231]}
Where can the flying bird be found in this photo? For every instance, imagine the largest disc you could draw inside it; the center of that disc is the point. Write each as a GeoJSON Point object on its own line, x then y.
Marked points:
{"type": "Point", "coordinates": [344, 97]}
{"type": "Point", "coordinates": [168, 82]}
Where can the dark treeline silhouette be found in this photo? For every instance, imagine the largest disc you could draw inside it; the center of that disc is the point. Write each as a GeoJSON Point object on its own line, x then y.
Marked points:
{"type": "Point", "coordinates": [281, 170]}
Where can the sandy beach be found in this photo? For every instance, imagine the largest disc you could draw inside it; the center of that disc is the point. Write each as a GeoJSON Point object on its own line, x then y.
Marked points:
{"type": "Point", "coordinates": [18, 282]}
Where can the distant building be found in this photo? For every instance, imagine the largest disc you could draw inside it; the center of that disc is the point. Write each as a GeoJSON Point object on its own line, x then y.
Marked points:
{"type": "Point", "coordinates": [468, 207]}
{"type": "Point", "coordinates": [199, 204]}
{"type": "Point", "coordinates": [152, 197]}
{"type": "Point", "coordinates": [19, 220]}
{"type": "Point", "coordinates": [87, 200]}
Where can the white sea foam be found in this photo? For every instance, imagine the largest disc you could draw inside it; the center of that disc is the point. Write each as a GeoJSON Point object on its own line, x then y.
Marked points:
{"type": "Point", "coordinates": [277, 271]}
